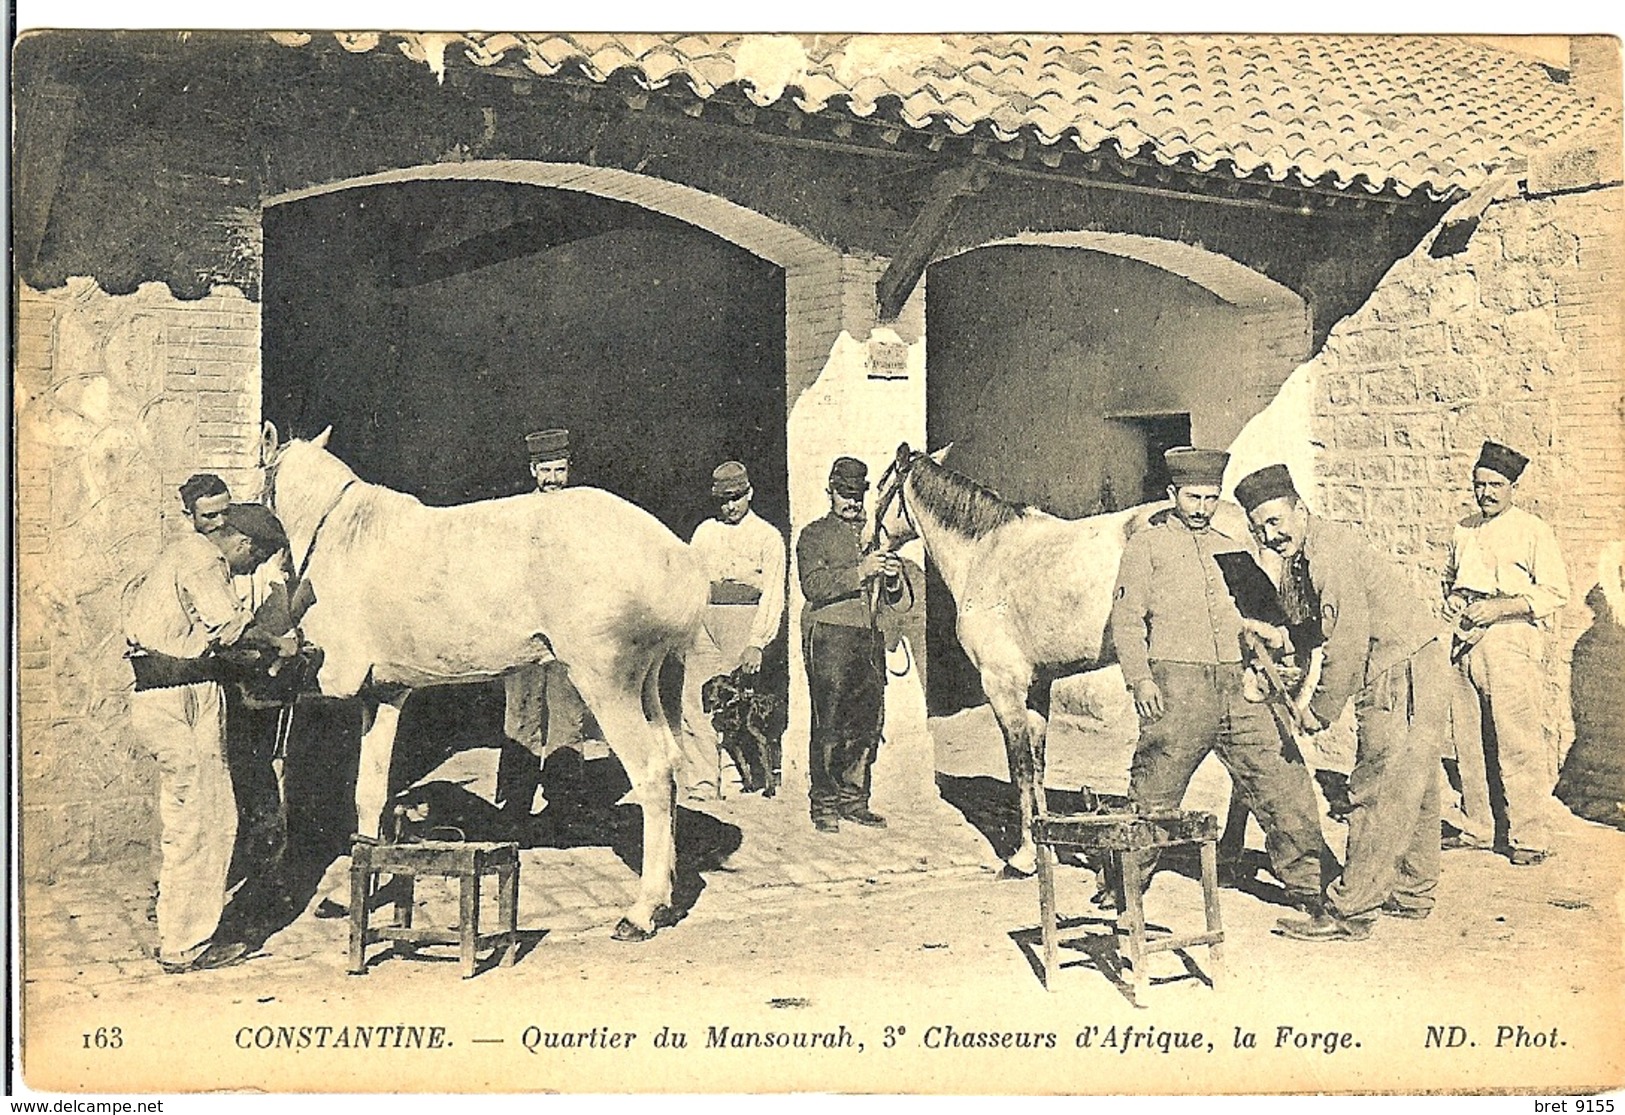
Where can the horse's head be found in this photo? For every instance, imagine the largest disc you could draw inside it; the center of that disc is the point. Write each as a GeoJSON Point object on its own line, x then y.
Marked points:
{"type": "Point", "coordinates": [894, 525]}
{"type": "Point", "coordinates": [273, 452]}
{"type": "Point", "coordinates": [302, 479]}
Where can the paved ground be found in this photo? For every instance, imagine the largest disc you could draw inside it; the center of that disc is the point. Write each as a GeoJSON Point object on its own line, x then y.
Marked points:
{"type": "Point", "coordinates": [907, 928]}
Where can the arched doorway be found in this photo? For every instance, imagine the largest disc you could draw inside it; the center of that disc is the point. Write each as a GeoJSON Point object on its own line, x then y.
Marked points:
{"type": "Point", "coordinates": [1061, 365]}
{"type": "Point", "coordinates": [433, 315]}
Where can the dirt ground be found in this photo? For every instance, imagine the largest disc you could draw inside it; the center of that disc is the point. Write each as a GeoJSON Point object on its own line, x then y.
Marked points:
{"type": "Point", "coordinates": [931, 974]}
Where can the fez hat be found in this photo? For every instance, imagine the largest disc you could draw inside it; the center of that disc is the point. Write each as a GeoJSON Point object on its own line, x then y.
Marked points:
{"type": "Point", "coordinates": [548, 445]}
{"type": "Point", "coordinates": [729, 480]}
{"type": "Point", "coordinates": [1266, 484]}
{"type": "Point", "coordinates": [1195, 466]}
{"type": "Point", "coordinates": [256, 521]}
{"type": "Point", "coordinates": [849, 476]}
{"type": "Point", "coordinates": [1498, 458]}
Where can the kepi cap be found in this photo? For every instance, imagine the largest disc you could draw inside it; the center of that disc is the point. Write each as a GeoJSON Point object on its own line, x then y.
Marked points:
{"type": "Point", "coordinates": [1271, 482]}
{"type": "Point", "coordinates": [548, 445]}
{"type": "Point", "coordinates": [849, 476]}
{"type": "Point", "coordinates": [1499, 458]}
{"type": "Point", "coordinates": [729, 480]}
{"type": "Point", "coordinates": [1195, 466]}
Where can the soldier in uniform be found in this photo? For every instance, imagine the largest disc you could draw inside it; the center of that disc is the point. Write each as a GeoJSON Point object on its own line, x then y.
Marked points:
{"type": "Point", "coordinates": [1383, 649]}
{"type": "Point", "coordinates": [1177, 633]}
{"type": "Point", "coordinates": [844, 651]}
{"type": "Point", "coordinates": [743, 556]}
{"type": "Point", "coordinates": [1504, 581]}
{"type": "Point", "coordinates": [544, 715]}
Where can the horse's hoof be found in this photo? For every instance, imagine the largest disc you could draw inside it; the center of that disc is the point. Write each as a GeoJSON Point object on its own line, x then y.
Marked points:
{"type": "Point", "coordinates": [665, 917]}
{"type": "Point", "coordinates": [1011, 871]}
{"type": "Point", "coordinates": [626, 931]}
{"type": "Point", "coordinates": [328, 909]}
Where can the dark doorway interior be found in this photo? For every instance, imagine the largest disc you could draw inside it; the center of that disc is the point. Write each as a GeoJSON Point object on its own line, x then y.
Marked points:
{"type": "Point", "coordinates": [432, 324]}
{"type": "Point", "coordinates": [1147, 438]}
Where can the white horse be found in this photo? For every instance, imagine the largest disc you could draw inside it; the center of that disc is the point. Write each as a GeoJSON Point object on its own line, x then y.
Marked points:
{"type": "Point", "coordinates": [1033, 594]}
{"type": "Point", "coordinates": [403, 595]}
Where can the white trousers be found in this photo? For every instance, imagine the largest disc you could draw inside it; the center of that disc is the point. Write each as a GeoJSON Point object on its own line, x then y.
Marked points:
{"type": "Point", "coordinates": [185, 729]}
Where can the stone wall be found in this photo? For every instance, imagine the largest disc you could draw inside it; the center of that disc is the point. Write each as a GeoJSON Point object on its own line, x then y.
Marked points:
{"type": "Point", "coordinates": [1516, 338]}
{"type": "Point", "coordinates": [117, 401]}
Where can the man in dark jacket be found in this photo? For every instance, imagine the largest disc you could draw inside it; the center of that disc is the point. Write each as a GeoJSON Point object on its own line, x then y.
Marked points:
{"type": "Point", "coordinates": [844, 650]}
{"type": "Point", "coordinates": [1384, 649]}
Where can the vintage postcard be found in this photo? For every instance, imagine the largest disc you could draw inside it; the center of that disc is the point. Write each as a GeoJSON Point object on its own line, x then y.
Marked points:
{"type": "Point", "coordinates": [603, 563]}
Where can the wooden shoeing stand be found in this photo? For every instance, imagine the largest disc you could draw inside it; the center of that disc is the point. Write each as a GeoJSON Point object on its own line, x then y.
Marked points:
{"type": "Point", "coordinates": [1131, 842]}
{"type": "Point", "coordinates": [467, 862]}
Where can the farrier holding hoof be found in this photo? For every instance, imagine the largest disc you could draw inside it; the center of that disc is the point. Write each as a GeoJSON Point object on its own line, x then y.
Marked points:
{"type": "Point", "coordinates": [1384, 649]}
{"type": "Point", "coordinates": [1177, 632]}
{"type": "Point", "coordinates": [743, 556]}
{"type": "Point", "coordinates": [1504, 580]}
{"type": "Point", "coordinates": [177, 616]}
{"type": "Point", "coordinates": [844, 651]}
{"type": "Point", "coordinates": [544, 715]}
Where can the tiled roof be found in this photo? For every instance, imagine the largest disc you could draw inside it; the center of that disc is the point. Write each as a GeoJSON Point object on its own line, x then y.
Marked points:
{"type": "Point", "coordinates": [1376, 112]}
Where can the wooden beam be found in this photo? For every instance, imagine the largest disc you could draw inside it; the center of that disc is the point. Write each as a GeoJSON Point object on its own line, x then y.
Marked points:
{"type": "Point", "coordinates": [943, 201]}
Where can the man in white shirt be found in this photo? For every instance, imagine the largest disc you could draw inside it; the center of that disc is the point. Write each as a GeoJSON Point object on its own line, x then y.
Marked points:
{"type": "Point", "coordinates": [1504, 581]}
{"type": "Point", "coordinates": [744, 557]}
{"type": "Point", "coordinates": [176, 617]}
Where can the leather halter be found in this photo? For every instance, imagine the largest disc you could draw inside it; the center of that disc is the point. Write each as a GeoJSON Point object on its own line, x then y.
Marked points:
{"type": "Point", "coordinates": [310, 550]}
{"type": "Point", "coordinates": [899, 468]}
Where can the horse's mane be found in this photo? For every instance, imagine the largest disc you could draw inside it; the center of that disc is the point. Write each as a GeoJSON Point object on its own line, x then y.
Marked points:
{"type": "Point", "coordinates": [960, 503]}
{"type": "Point", "coordinates": [319, 485]}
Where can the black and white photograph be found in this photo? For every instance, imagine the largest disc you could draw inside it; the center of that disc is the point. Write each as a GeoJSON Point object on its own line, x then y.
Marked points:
{"type": "Point", "coordinates": [1024, 563]}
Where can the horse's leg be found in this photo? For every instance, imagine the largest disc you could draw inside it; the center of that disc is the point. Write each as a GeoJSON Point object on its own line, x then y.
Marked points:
{"type": "Point", "coordinates": [1023, 738]}
{"type": "Point", "coordinates": [379, 719]}
{"type": "Point", "coordinates": [646, 753]}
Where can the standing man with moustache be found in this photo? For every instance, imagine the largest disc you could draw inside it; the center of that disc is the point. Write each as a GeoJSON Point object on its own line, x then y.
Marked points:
{"type": "Point", "coordinates": [544, 715]}
{"type": "Point", "coordinates": [743, 556]}
{"type": "Point", "coordinates": [1177, 632]}
{"type": "Point", "coordinates": [1384, 649]}
{"type": "Point", "coordinates": [1504, 581]}
{"type": "Point", "coordinates": [845, 652]}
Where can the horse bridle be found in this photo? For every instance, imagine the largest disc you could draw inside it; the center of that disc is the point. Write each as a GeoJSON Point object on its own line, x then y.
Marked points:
{"type": "Point", "coordinates": [269, 495]}
{"type": "Point", "coordinates": [898, 469]}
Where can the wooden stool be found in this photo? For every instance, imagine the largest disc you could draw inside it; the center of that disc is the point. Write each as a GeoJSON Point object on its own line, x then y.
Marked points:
{"type": "Point", "coordinates": [464, 861]}
{"type": "Point", "coordinates": [1131, 841]}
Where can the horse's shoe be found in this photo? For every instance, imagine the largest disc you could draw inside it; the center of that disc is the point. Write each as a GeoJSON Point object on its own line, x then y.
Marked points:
{"type": "Point", "coordinates": [626, 931]}
{"type": "Point", "coordinates": [1010, 871]}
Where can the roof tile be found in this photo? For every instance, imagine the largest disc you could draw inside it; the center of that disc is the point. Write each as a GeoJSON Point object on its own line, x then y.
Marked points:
{"type": "Point", "coordinates": [1408, 113]}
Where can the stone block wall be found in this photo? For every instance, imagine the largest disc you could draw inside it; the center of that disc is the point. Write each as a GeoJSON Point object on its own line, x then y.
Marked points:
{"type": "Point", "coordinates": [117, 401]}
{"type": "Point", "coordinates": [1516, 338]}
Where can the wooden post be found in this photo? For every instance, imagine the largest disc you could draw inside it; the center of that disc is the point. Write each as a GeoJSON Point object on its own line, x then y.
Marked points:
{"type": "Point", "coordinates": [913, 253]}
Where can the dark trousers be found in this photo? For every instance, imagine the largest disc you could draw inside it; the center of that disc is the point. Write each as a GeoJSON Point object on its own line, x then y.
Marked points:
{"type": "Point", "coordinates": [1393, 852]}
{"type": "Point", "coordinates": [1204, 711]}
{"type": "Point", "coordinates": [846, 672]}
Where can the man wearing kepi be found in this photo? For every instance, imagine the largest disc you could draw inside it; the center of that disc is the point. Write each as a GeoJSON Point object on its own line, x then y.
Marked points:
{"type": "Point", "coordinates": [1382, 648]}
{"type": "Point", "coordinates": [1177, 633]}
{"type": "Point", "coordinates": [543, 713]}
{"type": "Point", "coordinates": [744, 558]}
{"type": "Point", "coordinates": [845, 653]}
{"type": "Point", "coordinates": [1505, 579]}
{"type": "Point", "coordinates": [176, 617]}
